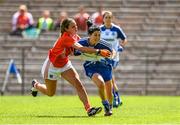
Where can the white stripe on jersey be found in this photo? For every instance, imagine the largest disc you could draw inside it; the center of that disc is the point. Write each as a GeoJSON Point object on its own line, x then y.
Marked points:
{"type": "Point", "coordinates": [105, 43]}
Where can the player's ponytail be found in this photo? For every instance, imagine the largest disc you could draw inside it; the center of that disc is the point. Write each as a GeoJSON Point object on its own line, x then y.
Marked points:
{"type": "Point", "coordinates": [91, 27]}
{"type": "Point", "coordinates": [89, 23]}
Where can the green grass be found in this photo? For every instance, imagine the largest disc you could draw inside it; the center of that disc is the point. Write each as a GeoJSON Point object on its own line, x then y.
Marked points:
{"type": "Point", "coordinates": [69, 110]}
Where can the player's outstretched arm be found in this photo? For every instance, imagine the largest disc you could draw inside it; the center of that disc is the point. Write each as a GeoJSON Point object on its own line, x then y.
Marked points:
{"type": "Point", "coordinates": [101, 52]}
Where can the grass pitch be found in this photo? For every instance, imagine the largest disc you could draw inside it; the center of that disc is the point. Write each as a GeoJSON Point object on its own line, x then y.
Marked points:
{"type": "Point", "coordinates": [69, 110]}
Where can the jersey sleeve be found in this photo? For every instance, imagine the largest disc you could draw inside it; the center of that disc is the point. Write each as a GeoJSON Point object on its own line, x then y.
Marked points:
{"type": "Point", "coordinates": [82, 42]}
{"type": "Point", "coordinates": [31, 20]}
{"type": "Point", "coordinates": [121, 34]}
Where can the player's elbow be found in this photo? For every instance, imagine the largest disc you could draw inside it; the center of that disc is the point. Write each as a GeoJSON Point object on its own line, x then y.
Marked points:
{"type": "Point", "coordinates": [125, 41]}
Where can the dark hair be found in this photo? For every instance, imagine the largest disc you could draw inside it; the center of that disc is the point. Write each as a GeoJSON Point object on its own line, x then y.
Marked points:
{"type": "Point", "coordinates": [91, 27]}
{"type": "Point", "coordinates": [65, 24]}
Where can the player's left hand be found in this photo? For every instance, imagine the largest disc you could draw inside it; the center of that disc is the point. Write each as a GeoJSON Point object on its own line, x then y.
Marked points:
{"type": "Point", "coordinates": [113, 53]}
{"type": "Point", "coordinates": [105, 53]}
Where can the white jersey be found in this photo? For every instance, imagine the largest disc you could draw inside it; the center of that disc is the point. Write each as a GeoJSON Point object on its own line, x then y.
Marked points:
{"type": "Point", "coordinates": [113, 35]}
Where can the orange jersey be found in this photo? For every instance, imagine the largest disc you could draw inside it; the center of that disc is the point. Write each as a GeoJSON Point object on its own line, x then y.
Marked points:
{"type": "Point", "coordinates": [58, 55]}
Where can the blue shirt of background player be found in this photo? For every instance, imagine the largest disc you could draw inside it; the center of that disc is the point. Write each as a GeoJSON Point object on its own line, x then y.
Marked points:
{"type": "Point", "coordinates": [102, 67]}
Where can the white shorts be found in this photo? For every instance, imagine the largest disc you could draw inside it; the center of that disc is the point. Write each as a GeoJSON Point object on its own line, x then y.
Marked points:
{"type": "Point", "coordinates": [50, 72]}
{"type": "Point", "coordinates": [116, 57]}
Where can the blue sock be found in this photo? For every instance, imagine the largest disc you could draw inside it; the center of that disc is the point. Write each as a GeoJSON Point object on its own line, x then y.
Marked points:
{"type": "Point", "coordinates": [105, 104]}
{"type": "Point", "coordinates": [119, 99]}
{"type": "Point", "coordinates": [110, 106]}
{"type": "Point", "coordinates": [114, 92]}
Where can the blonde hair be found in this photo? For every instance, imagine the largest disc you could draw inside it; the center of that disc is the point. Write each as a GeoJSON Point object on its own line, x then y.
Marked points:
{"type": "Point", "coordinates": [107, 12]}
{"type": "Point", "coordinates": [23, 7]}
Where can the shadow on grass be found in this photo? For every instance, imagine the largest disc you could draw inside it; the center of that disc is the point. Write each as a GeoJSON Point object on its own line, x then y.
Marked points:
{"type": "Point", "coordinates": [51, 116]}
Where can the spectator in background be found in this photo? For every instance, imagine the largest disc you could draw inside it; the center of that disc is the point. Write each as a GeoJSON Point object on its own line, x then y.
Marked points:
{"type": "Point", "coordinates": [81, 19]}
{"type": "Point", "coordinates": [21, 21]}
{"type": "Point", "coordinates": [62, 15]}
{"type": "Point", "coordinates": [97, 17]}
{"type": "Point", "coordinates": [45, 23]}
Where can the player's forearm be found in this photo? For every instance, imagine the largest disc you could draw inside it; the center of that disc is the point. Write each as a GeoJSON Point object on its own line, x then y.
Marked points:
{"type": "Point", "coordinates": [101, 52]}
{"type": "Point", "coordinates": [123, 43]}
{"type": "Point", "coordinates": [88, 50]}
{"type": "Point", "coordinates": [84, 49]}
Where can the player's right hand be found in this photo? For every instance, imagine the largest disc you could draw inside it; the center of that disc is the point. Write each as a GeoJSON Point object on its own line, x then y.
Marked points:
{"type": "Point", "coordinates": [105, 53]}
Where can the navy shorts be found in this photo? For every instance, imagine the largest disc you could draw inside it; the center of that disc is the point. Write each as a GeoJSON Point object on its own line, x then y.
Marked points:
{"type": "Point", "coordinates": [105, 70]}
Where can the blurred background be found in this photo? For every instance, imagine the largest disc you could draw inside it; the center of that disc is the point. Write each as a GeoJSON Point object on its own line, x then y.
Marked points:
{"type": "Point", "coordinates": [150, 64]}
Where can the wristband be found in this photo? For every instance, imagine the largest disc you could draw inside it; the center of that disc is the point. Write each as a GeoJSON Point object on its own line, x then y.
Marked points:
{"type": "Point", "coordinates": [97, 51]}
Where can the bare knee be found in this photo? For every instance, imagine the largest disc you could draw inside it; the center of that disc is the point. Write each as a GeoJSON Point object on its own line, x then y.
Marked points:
{"type": "Point", "coordinates": [50, 94]}
{"type": "Point", "coordinates": [50, 87]}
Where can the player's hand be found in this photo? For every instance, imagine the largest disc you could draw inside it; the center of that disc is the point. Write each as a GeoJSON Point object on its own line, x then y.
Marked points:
{"type": "Point", "coordinates": [113, 53]}
{"type": "Point", "coordinates": [104, 53]}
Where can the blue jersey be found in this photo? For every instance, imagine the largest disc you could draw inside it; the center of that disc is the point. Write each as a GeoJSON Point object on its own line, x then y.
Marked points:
{"type": "Point", "coordinates": [101, 66]}
{"type": "Point", "coordinates": [102, 44]}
